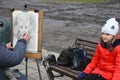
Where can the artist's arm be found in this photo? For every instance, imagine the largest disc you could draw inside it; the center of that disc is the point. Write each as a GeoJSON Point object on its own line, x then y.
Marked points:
{"type": "Point", "coordinates": [10, 58]}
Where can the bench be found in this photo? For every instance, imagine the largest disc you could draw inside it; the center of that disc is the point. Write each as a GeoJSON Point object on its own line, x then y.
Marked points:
{"type": "Point", "coordinates": [67, 71]}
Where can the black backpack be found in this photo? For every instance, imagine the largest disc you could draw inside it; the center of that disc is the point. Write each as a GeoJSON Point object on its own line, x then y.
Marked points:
{"type": "Point", "coordinates": [79, 60]}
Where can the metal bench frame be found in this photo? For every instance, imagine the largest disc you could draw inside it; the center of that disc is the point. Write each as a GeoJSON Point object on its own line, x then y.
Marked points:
{"type": "Point", "coordinates": [89, 46]}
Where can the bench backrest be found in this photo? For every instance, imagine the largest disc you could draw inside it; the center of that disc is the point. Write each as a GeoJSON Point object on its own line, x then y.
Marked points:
{"type": "Point", "coordinates": [89, 46]}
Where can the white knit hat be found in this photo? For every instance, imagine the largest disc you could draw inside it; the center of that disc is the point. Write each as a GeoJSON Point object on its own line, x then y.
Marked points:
{"type": "Point", "coordinates": [111, 27]}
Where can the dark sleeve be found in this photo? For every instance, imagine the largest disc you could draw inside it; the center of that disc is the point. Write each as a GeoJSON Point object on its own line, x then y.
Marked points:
{"type": "Point", "coordinates": [10, 58]}
{"type": "Point", "coordinates": [3, 44]}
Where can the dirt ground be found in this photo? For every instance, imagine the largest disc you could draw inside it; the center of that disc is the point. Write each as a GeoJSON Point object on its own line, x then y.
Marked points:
{"type": "Point", "coordinates": [65, 22]}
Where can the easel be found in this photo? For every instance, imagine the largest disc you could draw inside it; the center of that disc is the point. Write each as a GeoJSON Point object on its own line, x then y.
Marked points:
{"type": "Point", "coordinates": [38, 55]}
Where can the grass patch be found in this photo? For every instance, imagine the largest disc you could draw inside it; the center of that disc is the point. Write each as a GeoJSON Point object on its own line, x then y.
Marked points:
{"type": "Point", "coordinates": [77, 1]}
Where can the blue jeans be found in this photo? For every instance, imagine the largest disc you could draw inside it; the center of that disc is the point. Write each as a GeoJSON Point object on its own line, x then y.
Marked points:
{"type": "Point", "coordinates": [22, 76]}
{"type": "Point", "coordinates": [94, 77]}
{"type": "Point", "coordinates": [3, 77]}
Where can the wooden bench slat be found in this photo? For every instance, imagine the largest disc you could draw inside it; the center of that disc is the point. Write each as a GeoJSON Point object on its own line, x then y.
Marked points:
{"type": "Point", "coordinates": [86, 43]}
{"type": "Point", "coordinates": [90, 50]}
{"type": "Point", "coordinates": [66, 71]}
{"type": "Point", "coordinates": [90, 53]}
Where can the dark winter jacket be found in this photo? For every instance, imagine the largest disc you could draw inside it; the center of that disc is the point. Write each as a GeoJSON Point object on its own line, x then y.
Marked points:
{"type": "Point", "coordinates": [10, 58]}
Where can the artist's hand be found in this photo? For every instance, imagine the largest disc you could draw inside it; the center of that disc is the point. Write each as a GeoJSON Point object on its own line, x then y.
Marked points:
{"type": "Point", "coordinates": [25, 37]}
{"type": "Point", "coordinates": [9, 45]}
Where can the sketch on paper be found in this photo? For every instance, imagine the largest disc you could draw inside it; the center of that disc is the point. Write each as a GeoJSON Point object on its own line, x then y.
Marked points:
{"type": "Point", "coordinates": [26, 22]}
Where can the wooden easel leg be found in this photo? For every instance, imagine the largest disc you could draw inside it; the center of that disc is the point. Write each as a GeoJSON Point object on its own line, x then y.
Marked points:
{"type": "Point", "coordinates": [37, 61]}
{"type": "Point", "coordinates": [26, 59]}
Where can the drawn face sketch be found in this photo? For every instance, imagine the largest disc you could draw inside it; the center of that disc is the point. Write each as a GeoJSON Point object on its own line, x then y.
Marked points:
{"type": "Point", "coordinates": [23, 25]}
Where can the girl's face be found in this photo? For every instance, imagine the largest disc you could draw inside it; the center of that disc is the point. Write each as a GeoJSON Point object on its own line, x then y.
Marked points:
{"type": "Point", "coordinates": [106, 37]}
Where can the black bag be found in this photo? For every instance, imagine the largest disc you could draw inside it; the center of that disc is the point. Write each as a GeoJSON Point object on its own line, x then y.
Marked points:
{"type": "Point", "coordinates": [65, 57]}
{"type": "Point", "coordinates": [73, 57]}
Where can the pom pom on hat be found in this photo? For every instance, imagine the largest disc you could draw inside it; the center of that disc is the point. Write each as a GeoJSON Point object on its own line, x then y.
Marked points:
{"type": "Point", "coordinates": [111, 27]}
